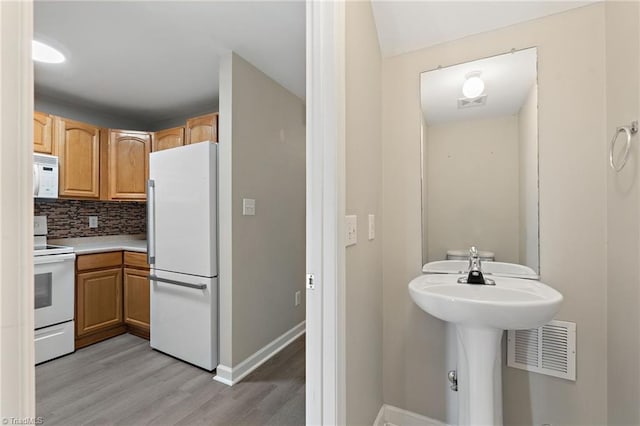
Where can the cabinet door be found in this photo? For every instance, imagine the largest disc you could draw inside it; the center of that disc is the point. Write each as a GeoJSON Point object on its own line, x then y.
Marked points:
{"type": "Point", "coordinates": [128, 164]}
{"type": "Point", "coordinates": [98, 300]}
{"type": "Point", "coordinates": [78, 149]}
{"type": "Point", "coordinates": [42, 133]}
{"type": "Point", "coordinates": [169, 138]}
{"type": "Point", "coordinates": [203, 128]}
{"type": "Point", "coordinates": [136, 297]}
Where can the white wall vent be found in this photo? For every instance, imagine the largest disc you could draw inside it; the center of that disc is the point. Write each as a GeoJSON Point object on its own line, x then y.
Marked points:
{"type": "Point", "coordinates": [550, 349]}
{"type": "Point", "coordinates": [472, 102]}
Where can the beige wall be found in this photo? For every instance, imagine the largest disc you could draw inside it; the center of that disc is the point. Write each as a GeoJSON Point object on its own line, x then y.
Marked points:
{"type": "Point", "coordinates": [572, 218]}
{"type": "Point", "coordinates": [262, 257]}
{"type": "Point", "coordinates": [363, 197]}
{"type": "Point", "coordinates": [623, 216]}
{"type": "Point", "coordinates": [528, 179]}
{"type": "Point", "coordinates": [472, 187]}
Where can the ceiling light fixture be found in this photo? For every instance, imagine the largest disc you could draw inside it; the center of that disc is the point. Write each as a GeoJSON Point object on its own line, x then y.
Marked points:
{"type": "Point", "coordinates": [473, 86]}
{"type": "Point", "coordinates": [44, 53]}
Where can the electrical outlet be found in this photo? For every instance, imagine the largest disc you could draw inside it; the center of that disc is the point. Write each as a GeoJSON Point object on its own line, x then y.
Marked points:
{"type": "Point", "coordinates": [372, 226]}
{"type": "Point", "coordinates": [351, 230]}
{"type": "Point", "coordinates": [298, 296]}
{"type": "Point", "coordinates": [39, 225]}
{"type": "Point", "coordinates": [93, 221]}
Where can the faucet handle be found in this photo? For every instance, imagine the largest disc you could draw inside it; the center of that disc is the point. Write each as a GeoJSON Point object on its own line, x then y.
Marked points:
{"type": "Point", "coordinates": [473, 251]}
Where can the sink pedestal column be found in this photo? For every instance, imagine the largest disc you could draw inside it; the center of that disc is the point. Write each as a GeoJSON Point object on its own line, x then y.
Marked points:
{"type": "Point", "coordinates": [479, 376]}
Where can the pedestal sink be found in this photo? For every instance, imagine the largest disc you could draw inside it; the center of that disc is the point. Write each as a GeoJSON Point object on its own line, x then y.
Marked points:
{"type": "Point", "coordinates": [481, 313]}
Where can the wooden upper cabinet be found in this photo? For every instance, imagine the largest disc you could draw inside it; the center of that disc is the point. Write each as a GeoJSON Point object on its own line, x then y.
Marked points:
{"type": "Point", "coordinates": [125, 159]}
{"type": "Point", "coordinates": [203, 128]}
{"type": "Point", "coordinates": [78, 149]}
{"type": "Point", "coordinates": [42, 133]}
{"type": "Point", "coordinates": [169, 138]}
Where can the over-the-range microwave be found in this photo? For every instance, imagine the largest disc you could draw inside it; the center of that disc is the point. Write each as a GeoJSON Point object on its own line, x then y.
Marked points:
{"type": "Point", "coordinates": [45, 176]}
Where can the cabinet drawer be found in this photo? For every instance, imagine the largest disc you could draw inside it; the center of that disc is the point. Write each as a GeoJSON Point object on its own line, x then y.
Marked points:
{"type": "Point", "coordinates": [87, 262]}
{"type": "Point", "coordinates": [135, 259]}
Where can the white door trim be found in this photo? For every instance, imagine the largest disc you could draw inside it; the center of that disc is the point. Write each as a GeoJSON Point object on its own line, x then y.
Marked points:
{"type": "Point", "coordinates": [325, 373]}
{"type": "Point", "coordinates": [17, 371]}
{"type": "Point", "coordinates": [325, 212]}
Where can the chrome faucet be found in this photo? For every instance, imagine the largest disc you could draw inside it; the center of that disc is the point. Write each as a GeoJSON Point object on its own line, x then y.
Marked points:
{"type": "Point", "coordinates": [475, 275]}
{"type": "Point", "coordinates": [474, 260]}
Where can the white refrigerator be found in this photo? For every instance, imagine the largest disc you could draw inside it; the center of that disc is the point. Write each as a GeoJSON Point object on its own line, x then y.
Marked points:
{"type": "Point", "coordinates": [182, 251]}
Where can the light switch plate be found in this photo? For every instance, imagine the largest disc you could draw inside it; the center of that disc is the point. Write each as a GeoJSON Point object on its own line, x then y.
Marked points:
{"type": "Point", "coordinates": [248, 207]}
{"type": "Point", "coordinates": [39, 225]}
{"type": "Point", "coordinates": [351, 230]}
{"type": "Point", "coordinates": [372, 226]}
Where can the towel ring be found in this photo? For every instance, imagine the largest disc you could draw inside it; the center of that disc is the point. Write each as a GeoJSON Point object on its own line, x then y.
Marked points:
{"type": "Point", "coordinates": [628, 130]}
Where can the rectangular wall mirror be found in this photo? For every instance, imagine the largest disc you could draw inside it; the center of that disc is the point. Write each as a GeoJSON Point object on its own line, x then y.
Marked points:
{"type": "Point", "coordinates": [480, 159]}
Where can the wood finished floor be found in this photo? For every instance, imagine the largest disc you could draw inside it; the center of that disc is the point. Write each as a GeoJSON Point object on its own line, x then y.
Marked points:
{"type": "Point", "coordinates": [122, 381]}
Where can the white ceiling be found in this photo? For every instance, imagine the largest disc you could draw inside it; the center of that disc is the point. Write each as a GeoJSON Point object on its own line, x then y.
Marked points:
{"type": "Point", "coordinates": [404, 25]}
{"type": "Point", "coordinates": [155, 60]}
{"type": "Point", "coordinates": [507, 78]}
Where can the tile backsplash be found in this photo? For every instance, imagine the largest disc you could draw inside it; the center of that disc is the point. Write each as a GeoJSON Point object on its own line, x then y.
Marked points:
{"type": "Point", "coordinates": [70, 218]}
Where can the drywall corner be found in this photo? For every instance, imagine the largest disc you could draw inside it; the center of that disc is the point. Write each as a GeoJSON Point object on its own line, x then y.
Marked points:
{"type": "Point", "coordinates": [363, 181]}
{"type": "Point", "coordinates": [225, 210]}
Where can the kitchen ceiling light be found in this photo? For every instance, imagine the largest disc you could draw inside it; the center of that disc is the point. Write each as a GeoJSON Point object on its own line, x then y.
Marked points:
{"type": "Point", "coordinates": [473, 86]}
{"type": "Point", "coordinates": [43, 53]}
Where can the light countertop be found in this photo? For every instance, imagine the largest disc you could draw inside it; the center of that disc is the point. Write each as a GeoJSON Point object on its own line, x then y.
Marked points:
{"type": "Point", "coordinates": [89, 245]}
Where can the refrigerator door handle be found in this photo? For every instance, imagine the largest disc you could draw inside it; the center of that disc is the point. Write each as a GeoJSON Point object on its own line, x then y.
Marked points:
{"type": "Point", "coordinates": [180, 283]}
{"type": "Point", "coordinates": [151, 222]}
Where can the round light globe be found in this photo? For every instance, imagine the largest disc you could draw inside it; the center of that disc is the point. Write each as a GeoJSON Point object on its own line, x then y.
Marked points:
{"type": "Point", "coordinates": [44, 53]}
{"type": "Point", "coordinates": [473, 87]}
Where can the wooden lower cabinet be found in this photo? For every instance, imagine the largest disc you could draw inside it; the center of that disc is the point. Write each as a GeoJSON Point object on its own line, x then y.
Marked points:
{"type": "Point", "coordinates": [136, 298]}
{"type": "Point", "coordinates": [98, 301]}
{"type": "Point", "coordinates": [112, 296]}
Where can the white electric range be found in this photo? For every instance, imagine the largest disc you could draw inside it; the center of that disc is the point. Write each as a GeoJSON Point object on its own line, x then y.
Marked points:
{"type": "Point", "coordinates": [54, 295]}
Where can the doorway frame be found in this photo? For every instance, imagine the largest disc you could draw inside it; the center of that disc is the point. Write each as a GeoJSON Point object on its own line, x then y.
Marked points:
{"type": "Point", "coordinates": [325, 317]}
{"type": "Point", "coordinates": [17, 363]}
{"type": "Point", "coordinates": [325, 359]}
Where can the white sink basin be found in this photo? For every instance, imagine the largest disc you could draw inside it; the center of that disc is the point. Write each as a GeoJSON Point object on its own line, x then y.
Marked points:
{"type": "Point", "coordinates": [480, 313]}
{"type": "Point", "coordinates": [509, 305]}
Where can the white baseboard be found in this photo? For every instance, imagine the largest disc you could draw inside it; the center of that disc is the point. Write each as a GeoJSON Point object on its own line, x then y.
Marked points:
{"type": "Point", "coordinates": [232, 375]}
{"type": "Point", "coordinates": [394, 416]}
